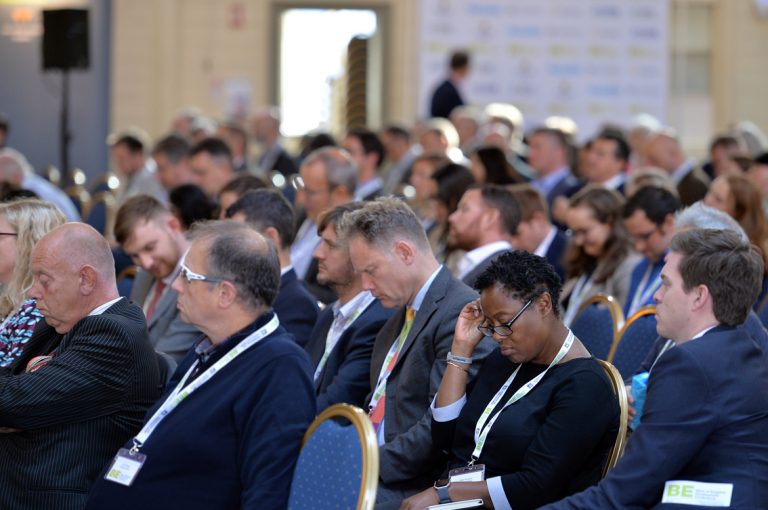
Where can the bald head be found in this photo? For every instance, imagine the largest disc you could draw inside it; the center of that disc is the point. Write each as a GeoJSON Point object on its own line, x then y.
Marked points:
{"type": "Point", "coordinates": [11, 168]}
{"type": "Point", "coordinates": [664, 151]}
{"type": "Point", "coordinates": [74, 273]}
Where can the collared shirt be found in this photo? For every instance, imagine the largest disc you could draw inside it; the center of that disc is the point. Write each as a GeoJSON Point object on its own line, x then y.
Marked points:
{"type": "Point", "coordinates": [284, 270]}
{"type": "Point", "coordinates": [681, 171]}
{"type": "Point", "coordinates": [168, 281]}
{"type": "Point", "coordinates": [303, 247]}
{"type": "Point", "coordinates": [615, 182]}
{"type": "Point", "coordinates": [366, 188]}
{"type": "Point", "coordinates": [472, 258]}
{"type": "Point", "coordinates": [543, 247]}
{"type": "Point", "coordinates": [644, 282]}
{"type": "Point", "coordinates": [103, 308]}
{"type": "Point", "coordinates": [547, 183]}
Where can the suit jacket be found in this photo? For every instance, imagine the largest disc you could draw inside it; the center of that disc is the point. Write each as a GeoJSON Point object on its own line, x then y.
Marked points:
{"type": "Point", "coordinates": [445, 98]}
{"type": "Point", "coordinates": [567, 187]}
{"type": "Point", "coordinates": [233, 443]}
{"type": "Point", "coordinates": [296, 308]}
{"type": "Point", "coordinates": [345, 377]}
{"type": "Point", "coordinates": [704, 420]}
{"type": "Point", "coordinates": [167, 332]}
{"type": "Point", "coordinates": [76, 411]}
{"type": "Point", "coordinates": [407, 460]}
{"type": "Point", "coordinates": [693, 187]}
{"type": "Point", "coordinates": [556, 252]}
{"type": "Point", "coordinates": [470, 278]}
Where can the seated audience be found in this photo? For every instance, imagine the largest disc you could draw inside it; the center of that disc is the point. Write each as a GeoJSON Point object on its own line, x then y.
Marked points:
{"type": "Point", "coordinates": [136, 171]}
{"type": "Point", "coordinates": [703, 434]}
{"type": "Point", "coordinates": [400, 154]}
{"type": "Point", "coordinates": [490, 165]}
{"type": "Point", "coordinates": [22, 224]}
{"type": "Point", "coordinates": [171, 155]}
{"type": "Point", "coordinates": [248, 397]}
{"type": "Point", "coordinates": [367, 151]}
{"type": "Point", "coordinates": [535, 232]}
{"type": "Point", "coordinates": [600, 258]}
{"type": "Point", "coordinates": [341, 342]}
{"type": "Point", "coordinates": [389, 248]}
{"type": "Point", "coordinates": [189, 204]}
{"type": "Point", "coordinates": [212, 168]}
{"type": "Point", "coordinates": [83, 382]}
{"type": "Point", "coordinates": [152, 237]}
{"type": "Point", "coordinates": [451, 181]}
{"type": "Point", "coordinates": [553, 441]}
{"type": "Point", "coordinates": [424, 188]}
{"type": "Point", "coordinates": [650, 176]}
{"type": "Point", "coordinates": [270, 214]}
{"type": "Point", "coordinates": [265, 128]}
{"type": "Point", "coordinates": [483, 223]}
{"type": "Point", "coordinates": [664, 151]}
{"type": "Point", "coordinates": [758, 173]}
{"type": "Point", "coordinates": [607, 162]}
{"type": "Point", "coordinates": [235, 189]}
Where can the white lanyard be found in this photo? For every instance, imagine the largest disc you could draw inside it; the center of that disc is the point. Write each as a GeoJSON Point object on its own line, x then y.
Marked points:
{"type": "Point", "coordinates": [583, 285]}
{"type": "Point", "coordinates": [330, 341]}
{"type": "Point", "coordinates": [484, 425]}
{"type": "Point", "coordinates": [641, 296]}
{"type": "Point", "coordinates": [180, 392]}
{"type": "Point", "coordinates": [381, 385]}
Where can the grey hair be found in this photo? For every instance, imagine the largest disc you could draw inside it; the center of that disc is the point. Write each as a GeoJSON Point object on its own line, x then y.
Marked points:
{"type": "Point", "coordinates": [340, 168]}
{"type": "Point", "coordinates": [242, 256]}
{"type": "Point", "coordinates": [699, 215]}
{"type": "Point", "coordinates": [382, 222]}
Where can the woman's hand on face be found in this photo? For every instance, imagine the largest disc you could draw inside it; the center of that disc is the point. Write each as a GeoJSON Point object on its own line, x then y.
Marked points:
{"type": "Point", "coordinates": [421, 500]}
{"type": "Point", "coordinates": [466, 335]}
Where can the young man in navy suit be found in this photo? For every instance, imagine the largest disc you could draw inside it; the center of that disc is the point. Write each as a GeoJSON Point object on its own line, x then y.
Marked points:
{"type": "Point", "coordinates": [341, 342]}
{"type": "Point", "coordinates": [703, 435]}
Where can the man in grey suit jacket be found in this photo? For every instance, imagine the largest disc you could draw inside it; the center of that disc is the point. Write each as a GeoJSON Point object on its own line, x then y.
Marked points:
{"type": "Point", "coordinates": [485, 219]}
{"type": "Point", "coordinates": [389, 248]}
{"type": "Point", "coordinates": [152, 237]}
{"type": "Point", "coordinates": [84, 381]}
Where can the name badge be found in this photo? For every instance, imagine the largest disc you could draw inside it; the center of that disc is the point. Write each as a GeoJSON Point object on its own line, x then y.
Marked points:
{"type": "Point", "coordinates": [686, 492]}
{"type": "Point", "coordinates": [125, 467]}
{"type": "Point", "coordinates": [474, 473]}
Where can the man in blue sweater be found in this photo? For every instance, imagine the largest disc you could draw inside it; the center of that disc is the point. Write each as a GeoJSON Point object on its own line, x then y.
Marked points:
{"type": "Point", "coordinates": [227, 432]}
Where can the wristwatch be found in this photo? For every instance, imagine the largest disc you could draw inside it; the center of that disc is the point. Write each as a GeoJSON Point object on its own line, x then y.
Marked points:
{"type": "Point", "coordinates": [442, 486]}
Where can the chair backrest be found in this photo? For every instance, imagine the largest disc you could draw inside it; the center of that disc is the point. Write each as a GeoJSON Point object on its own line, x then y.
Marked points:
{"type": "Point", "coordinates": [338, 467]}
{"type": "Point", "coordinates": [80, 197]}
{"type": "Point", "coordinates": [597, 324]}
{"type": "Point", "coordinates": [615, 453]}
{"type": "Point", "coordinates": [634, 341]}
{"type": "Point", "coordinates": [101, 214]}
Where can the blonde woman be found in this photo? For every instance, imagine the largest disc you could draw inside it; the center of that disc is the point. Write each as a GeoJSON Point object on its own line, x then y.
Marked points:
{"type": "Point", "coordinates": [22, 224]}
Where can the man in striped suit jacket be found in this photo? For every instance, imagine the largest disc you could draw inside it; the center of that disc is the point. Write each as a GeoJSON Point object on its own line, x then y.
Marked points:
{"type": "Point", "coordinates": [84, 382]}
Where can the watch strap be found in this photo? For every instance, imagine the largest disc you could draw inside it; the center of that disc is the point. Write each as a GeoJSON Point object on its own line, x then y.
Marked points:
{"type": "Point", "coordinates": [442, 493]}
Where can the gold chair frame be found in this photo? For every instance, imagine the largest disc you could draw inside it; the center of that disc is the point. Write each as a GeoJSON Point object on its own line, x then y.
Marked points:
{"type": "Point", "coordinates": [646, 310]}
{"type": "Point", "coordinates": [617, 314]}
{"type": "Point", "coordinates": [368, 444]}
{"type": "Point", "coordinates": [617, 384]}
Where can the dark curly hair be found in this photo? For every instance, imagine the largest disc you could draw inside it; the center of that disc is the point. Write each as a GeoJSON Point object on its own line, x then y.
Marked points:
{"type": "Point", "coordinates": [524, 276]}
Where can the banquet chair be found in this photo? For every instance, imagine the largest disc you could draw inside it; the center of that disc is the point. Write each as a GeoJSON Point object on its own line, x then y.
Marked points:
{"type": "Point", "coordinates": [634, 341]}
{"type": "Point", "coordinates": [597, 324]}
{"type": "Point", "coordinates": [617, 450]}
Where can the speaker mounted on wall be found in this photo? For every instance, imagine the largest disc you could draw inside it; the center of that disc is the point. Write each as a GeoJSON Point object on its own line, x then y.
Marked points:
{"type": "Point", "coordinates": [65, 39]}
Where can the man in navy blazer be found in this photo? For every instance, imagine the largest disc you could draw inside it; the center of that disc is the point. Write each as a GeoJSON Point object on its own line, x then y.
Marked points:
{"type": "Point", "coordinates": [703, 435]}
{"type": "Point", "coordinates": [234, 440]}
{"type": "Point", "coordinates": [270, 213]}
{"type": "Point", "coordinates": [341, 343]}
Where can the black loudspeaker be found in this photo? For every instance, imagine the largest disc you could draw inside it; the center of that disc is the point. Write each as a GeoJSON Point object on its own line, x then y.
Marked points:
{"type": "Point", "coordinates": [65, 39]}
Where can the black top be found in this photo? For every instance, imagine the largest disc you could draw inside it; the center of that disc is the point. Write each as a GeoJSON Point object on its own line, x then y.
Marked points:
{"type": "Point", "coordinates": [547, 445]}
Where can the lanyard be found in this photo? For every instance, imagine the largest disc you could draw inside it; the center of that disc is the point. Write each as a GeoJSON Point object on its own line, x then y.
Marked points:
{"type": "Point", "coordinates": [582, 287]}
{"type": "Point", "coordinates": [484, 425]}
{"type": "Point", "coordinates": [180, 392]}
{"type": "Point", "coordinates": [334, 333]}
{"type": "Point", "coordinates": [641, 296]}
{"type": "Point", "coordinates": [381, 385]}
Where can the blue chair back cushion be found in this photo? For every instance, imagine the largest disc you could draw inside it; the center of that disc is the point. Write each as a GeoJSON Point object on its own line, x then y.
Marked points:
{"type": "Point", "coordinates": [329, 471]}
{"type": "Point", "coordinates": [634, 345]}
{"type": "Point", "coordinates": [594, 327]}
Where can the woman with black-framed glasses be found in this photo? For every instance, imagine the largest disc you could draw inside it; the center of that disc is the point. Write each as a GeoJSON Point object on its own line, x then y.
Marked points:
{"type": "Point", "coordinates": [541, 416]}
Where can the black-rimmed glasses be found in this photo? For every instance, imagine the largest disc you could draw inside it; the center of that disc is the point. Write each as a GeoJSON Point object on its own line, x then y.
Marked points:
{"type": "Point", "coordinates": [506, 328]}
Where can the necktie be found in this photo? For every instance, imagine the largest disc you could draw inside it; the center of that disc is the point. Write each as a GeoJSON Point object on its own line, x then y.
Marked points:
{"type": "Point", "coordinates": [377, 413]}
{"type": "Point", "coordinates": [159, 288]}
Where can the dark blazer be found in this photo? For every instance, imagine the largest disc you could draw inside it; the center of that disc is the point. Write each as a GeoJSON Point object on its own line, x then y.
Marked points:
{"type": "Point", "coordinates": [470, 278]}
{"type": "Point", "coordinates": [693, 187]}
{"type": "Point", "coordinates": [556, 252]}
{"type": "Point", "coordinates": [76, 411]}
{"type": "Point", "coordinates": [296, 308]}
{"type": "Point", "coordinates": [705, 420]}
{"type": "Point", "coordinates": [345, 377]}
{"type": "Point", "coordinates": [567, 187]}
{"type": "Point", "coordinates": [408, 462]}
{"type": "Point", "coordinates": [445, 98]}
{"type": "Point", "coordinates": [167, 332]}
{"type": "Point", "coordinates": [233, 443]}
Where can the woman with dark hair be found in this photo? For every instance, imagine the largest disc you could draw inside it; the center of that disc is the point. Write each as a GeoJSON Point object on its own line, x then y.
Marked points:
{"type": "Point", "coordinates": [451, 181]}
{"type": "Point", "coordinates": [539, 419]}
{"type": "Point", "coordinates": [189, 203]}
{"type": "Point", "coordinates": [600, 258]}
{"type": "Point", "coordinates": [490, 165]}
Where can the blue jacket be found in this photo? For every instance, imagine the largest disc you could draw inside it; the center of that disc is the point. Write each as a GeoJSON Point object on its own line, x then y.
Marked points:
{"type": "Point", "coordinates": [296, 307]}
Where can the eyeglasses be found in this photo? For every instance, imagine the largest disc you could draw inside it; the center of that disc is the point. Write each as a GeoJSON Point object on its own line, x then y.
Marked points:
{"type": "Point", "coordinates": [191, 276]}
{"type": "Point", "coordinates": [506, 328]}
